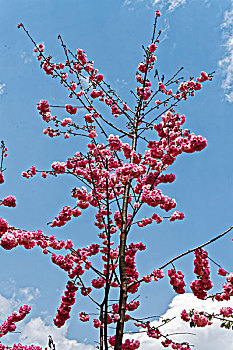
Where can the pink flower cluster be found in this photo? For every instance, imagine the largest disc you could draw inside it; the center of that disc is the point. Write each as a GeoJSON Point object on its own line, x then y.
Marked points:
{"type": "Point", "coordinates": [130, 265]}
{"type": "Point", "coordinates": [226, 311]}
{"type": "Point", "coordinates": [227, 290]}
{"type": "Point", "coordinates": [113, 317]}
{"type": "Point", "coordinates": [155, 198]}
{"type": "Point", "coordinates": [9, 201]}
{"type": "Point", "coordinates": [96, 93]}
{"type": "Point", "coordinates": [176, 216]}
{"type": "Point", "coordinates": [44, 110]}
{"type": "Point", "coordinates": [9, 324]}
{"type": "Point", "coordinates": [157, 218]}
{"type": "Point", "coordinates": [133, 305]}
{"type": "Point", "coordinates": [65, 215]}
{"type": "Point", "coordinates": [19, 346]}
{"type": "Point", "coordinates": [98, 283]}
{"type": "Point", "coordinates": [114, 142]}
{"type": "Point", "coordinates": [144, 222]}
{"type": "Point", "coordinates": [177, 281]}
{"type": "Point", "coordinates": [70, 109]}
{"type": "Point", "coordinates": [59, 167]}
{"type": "Point", "coordinates": [65, 263]}
{"type": "Point", "coordinates": [29, 173]}
{"type": "Point", "coordinates": [1, 177]}
{"type": "Point", "coordinates": [3, 226]}
{"type": "Point", "coordinates": [166, 343]}
{"type": "Point", "coordinates": [84, 317]}
{"type": "Point", "coordinates": [157, 274]}
{"type": "Point", "coordinates": [222, 272]}
{"type": "Point", "coordinates": [204, 76]}
{"type": "Point", "coordinates": [11, 238]}
{"type": "Point", "coordinates": [144, 92]}
{"type": "Point", "coordinates": [129, 344]}
{"type": "Point", "coordinates": [202, 270]}
{"type": "Point", "coordinates": [65, 122]}
{"type": "Point", "coordinates": [63, 311]}
{"type": "Point", "coordinates": [130, 171]}
{"type": "Point", "coordinates": [155, 333]}
{"type": "Point", "coordinates": [163, 89]}
{"type": "Point", "coordinates": [195, 318]}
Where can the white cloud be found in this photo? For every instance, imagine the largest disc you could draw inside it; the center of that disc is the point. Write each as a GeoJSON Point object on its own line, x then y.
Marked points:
{"type": "Point", "coordinates": [209, 338]}
{"type": "Point", "coordinates": [2, 88]}
{"type": "Point", "coordinates": [36, 332]}
{"type": "Point", "coordinates": [226, 63]}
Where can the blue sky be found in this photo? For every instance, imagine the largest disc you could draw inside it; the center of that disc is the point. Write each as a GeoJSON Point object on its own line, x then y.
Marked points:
{"type": "Point", "coordinates": [197, 35]}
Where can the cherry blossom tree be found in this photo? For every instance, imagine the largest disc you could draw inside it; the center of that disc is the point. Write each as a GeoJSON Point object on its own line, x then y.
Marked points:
{"type": "Point", "coordinates": [129, 152]}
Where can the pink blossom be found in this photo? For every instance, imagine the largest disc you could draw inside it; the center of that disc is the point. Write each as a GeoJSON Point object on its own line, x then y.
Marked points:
{"type": "Point", "coordinates": [92, 134]}
{"type": "Point", "coordinates": [8, 241]}
{"type": "Point", "coordinates": [70, 109]}
{"type": "Point", "coordinates": [201, 268]}
{"type": "Point", "coordinates": [9, 201]}
{"type": "Point", "coordinates": [98, 283]}
{"type": "Point", "coordinates": [114, 142]}
{"type": "Point", "coordinates": [84, 317]}
{"type": "Point", "coordinates": [152, 48]}
{"type": "Point", "coordinates": [96, 93]}
{"type": "Point", "coordinates": [226, 311]}
{"type": "Point", "coordinates": [176, 280]}
{"type": "Point", "coordinates": [59, 167]}
{"type": "Point", "coordinates": [1, 178]}
{"type": "Point", "coordinates": [222, 272]}
{"type": "Point", "coordinates": [97, 323]}
{"type": "Point", "coordinates": [158, 274]}
{"type": "Point", "coordinates": [184, 316]}
{"type": "Point", "coordinates": [176, 216]}
{"type": "Point", "coordinates": [142, 67]}
{"type": "Point", "coordinates": [3, 226]}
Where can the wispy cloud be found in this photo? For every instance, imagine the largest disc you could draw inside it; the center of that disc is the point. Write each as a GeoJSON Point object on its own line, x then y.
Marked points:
{"type": "Point", "coordinates": [171, 5]}
{"type": "Point", "coordinates": [226, 63]}
{"type": "Point", "coordinates": [121, 82]}
{"type": "Point", "coordinates": [2, 88]}
{"type": "Point", "coordinates": [27, 294]}
{"type": "Point", "coordinates": [207, 338]}
{"type": "Point", "coordinates": [26, 58]}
